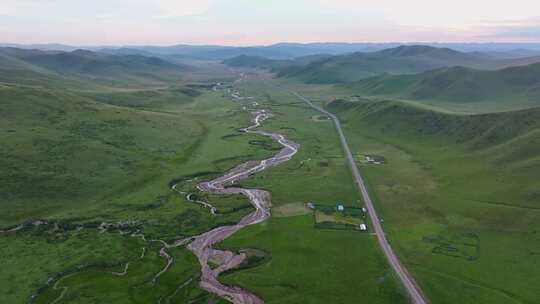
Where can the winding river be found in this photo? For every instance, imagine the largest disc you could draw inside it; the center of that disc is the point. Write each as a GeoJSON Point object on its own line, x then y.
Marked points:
{"type": "Point", "coordinates": [201, 245]}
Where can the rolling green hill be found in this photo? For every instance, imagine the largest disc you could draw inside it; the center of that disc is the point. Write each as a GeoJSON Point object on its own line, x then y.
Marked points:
{"type": "Point", "coordinates": [80, 159]}
{"type": "Point", "coordinates": [458, 194]}
{"type": "Point", "coordinates": [59, 146]}
{"type": "Point", "coordinates": [458, 85]}
{"type": "Point", "coordinates": [72, 160]}
{"type": "Point", "coordinates": [474, 131]}
{"type": "Point", "coordinates": [84, 68]}
{"type": "Point", "coordinates": [401, 60]}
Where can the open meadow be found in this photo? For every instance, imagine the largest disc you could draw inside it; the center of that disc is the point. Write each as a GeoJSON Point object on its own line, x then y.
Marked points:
{"type": "Point", "coordinates": [136, 144]}
{"type": "Point", "coordinates": [269, 152]}
{"type": "Point", "coordinates": [308, 264]}
{"type": "Point", "coordinates": [458, 195]}
{"type": "Point", "coordinates": [84, 170]}
{"type": "Point", "coordinates": [100, 180]}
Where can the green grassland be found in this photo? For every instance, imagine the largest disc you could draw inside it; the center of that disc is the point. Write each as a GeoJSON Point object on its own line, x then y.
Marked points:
{"type": "Point", "coordinates": [108, 285]}
{"type": "Point", "coordinates": [506, 89]}
{"type": "Point", "coordinates": [309, 265]}
{"type": "Point", "coordinates": [459, 196]}
{"type": "Point", "coordinates": [28, 261]}
{"type": "Point", "coordinates": [60, 147]}
{"type": "Point", "coordinates": [458, 193]}
{"type": "Point", "coordinates": [77, 159]}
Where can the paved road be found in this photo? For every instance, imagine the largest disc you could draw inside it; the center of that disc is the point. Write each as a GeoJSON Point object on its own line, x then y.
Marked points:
{"type": "Point", "coordinates": [415, 293]}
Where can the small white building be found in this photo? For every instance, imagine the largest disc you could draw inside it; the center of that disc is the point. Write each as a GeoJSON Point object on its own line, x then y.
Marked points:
{"type": "Point", "coordinates": [340, 208]}
{"type": "Point", "coordinates": [364, 209]}
{"type": "Point", "coordinates": [362, 227]}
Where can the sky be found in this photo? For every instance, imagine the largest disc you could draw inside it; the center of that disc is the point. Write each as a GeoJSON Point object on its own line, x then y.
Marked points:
{"type": "Point", "coordinates": [261, 22]}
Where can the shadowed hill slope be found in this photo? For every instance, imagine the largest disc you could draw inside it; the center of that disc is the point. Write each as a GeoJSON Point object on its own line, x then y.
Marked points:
{"type": "Point", "coordinates": [60, 146]}
{"type": "Point", "coordinates": [401, 60]}
{"type": "Point", "coordinates": [475, 131]}
{"type": "Point", "coordinates": [35, 67]}
{"type": "Point", "coordinates": [458, 84]}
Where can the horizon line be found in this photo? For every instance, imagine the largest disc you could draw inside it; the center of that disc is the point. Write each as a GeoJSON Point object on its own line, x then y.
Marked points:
{"type": "Point", "coordinates": [269, 44]}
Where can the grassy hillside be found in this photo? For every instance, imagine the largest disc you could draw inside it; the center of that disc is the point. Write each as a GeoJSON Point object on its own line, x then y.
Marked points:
{"type": "Point", "coordinates": [459, 85]}
{"type": "Point", "coordinates": [458, 194]}
{"type": "Point", "coordinates": [472, 131]}
{"type": "Point", "coordinates": [401, 60]}
{"type": "Point", "coordinates": [76, 160]}
{"type": "Point", "coordinates": [88, 139]}
{"type": "Point", "coordinates": [84, 68]}
{"type": "Point", "coordinates": [59, 147]}
{"type": "Point", "coordinates": [79, 159]}
{"type": "Point", "coordinates": [155, 99]}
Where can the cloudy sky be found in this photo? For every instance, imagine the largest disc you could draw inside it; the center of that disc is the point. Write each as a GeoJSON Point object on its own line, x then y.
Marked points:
{"type": "Point", "coordinates": [254, 22]}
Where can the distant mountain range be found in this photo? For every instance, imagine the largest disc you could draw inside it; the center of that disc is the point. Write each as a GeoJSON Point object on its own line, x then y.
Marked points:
{"type": "Point", "coordinates": [42, 46]}
{"type": "Point", "coordinates": [409, 71]}
{"type": "Point", "coordinates": [287, 50]}
{"type": "Point", "coordinates": [409, 59]}
{"type": "Point", "coordinates": [277, 51]}
{"type": "Point", "coordinates": [25, 66]}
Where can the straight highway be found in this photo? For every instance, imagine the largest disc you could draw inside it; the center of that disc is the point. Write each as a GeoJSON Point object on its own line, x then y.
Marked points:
{"type": "Point", "coordinates": [413, 289]}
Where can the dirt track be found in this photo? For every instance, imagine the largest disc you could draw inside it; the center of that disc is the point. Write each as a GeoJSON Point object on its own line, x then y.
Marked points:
{"type": "Point", "coordinates": [201, 245]}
